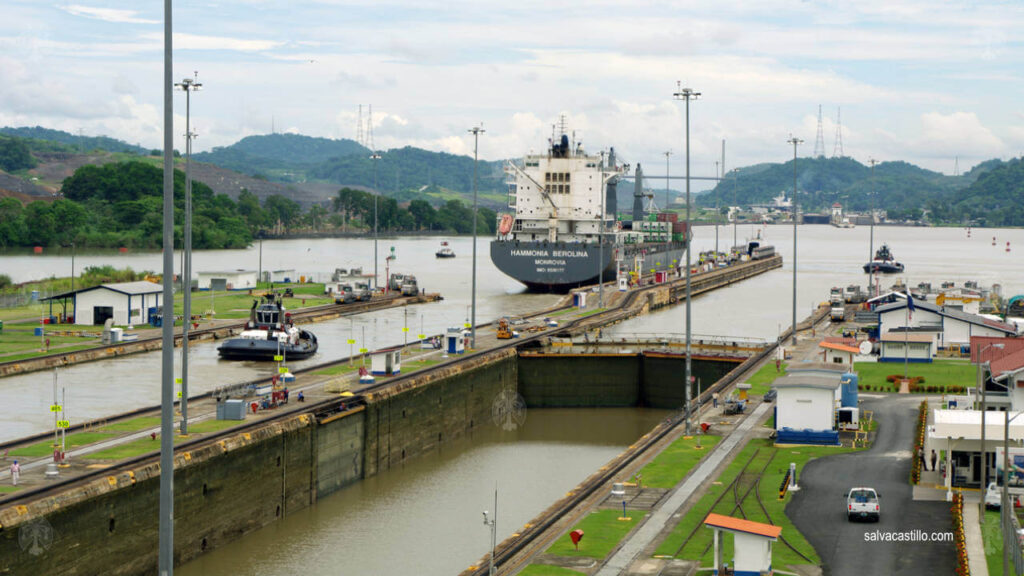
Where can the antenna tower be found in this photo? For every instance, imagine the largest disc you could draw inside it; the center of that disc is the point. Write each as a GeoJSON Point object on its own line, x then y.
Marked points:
{"type": "Point", "coordinates": [819, 141]}
{"type": "Point", "coordinates": [359, 127]}
{"type": "Point", "coordinates": [369, 127]}
{"type": "Point", "coordinates": [837, 152]}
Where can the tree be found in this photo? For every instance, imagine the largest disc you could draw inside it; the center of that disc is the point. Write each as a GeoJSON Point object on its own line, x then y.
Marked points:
{"type": "Point", "coordinates": [15, 155]}
{"type": "Point", "coordinates": [423, 214]}
{"type": "Point", "coordinates": [282, 209]}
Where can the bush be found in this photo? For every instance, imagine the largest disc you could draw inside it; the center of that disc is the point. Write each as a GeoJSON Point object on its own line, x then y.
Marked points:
{"type": "Point", "coordinates": [5, 281]}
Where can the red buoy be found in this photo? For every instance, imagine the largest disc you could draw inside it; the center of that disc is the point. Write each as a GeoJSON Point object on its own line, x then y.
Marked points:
{"type": "Point", "coordinates": [993, 240]}
{"type": "Point", "coordinates": [1007, 246]}
{"type": "Point", "coordinates": [122, 249]}
{"type": "Point", "coordinates": [38, 249]}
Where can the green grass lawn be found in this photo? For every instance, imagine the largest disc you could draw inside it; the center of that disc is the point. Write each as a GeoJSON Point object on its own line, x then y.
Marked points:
{"type": "Point", "coordinates": [65, 350]}
{"type": "Point", "coordinates": [21, 342]}
{"type": "Point", "coordinates": [417, 364]}
{"type": "Point", "coordinates": [762, 380]}
{"type": "Point", "coordinates": [9, 489]}
{"type": "Point", "coordinates": [207, 426]}
{"type": "Point", "coordinates": [992, 535]}
{"type": "Point", "coordinates": [768, 488]}
{"type": "Point", "coordinates": [45, 448]}
{"type": "Point", "coordinates": [133, 425]}
{"type": "Point", "coordinates": [546, 570]}
{"type": "Point", "coordinates": [145, 445]}
{"type": "Point", "coordinates": [941, 373]}
{"type": "Point", "coordinates": [338, 369]}
{"type": "Point", "coordinates": [676, 461]}
{"type": "Point", "coordinates": [602, 531]}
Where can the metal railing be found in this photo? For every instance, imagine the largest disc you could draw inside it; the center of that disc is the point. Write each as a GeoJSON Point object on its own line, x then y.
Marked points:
{"type": "Point", "coordinates": [1011, 526]}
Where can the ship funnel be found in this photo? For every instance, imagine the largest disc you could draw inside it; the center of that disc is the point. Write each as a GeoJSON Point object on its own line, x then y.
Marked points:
{"type": "Point", "coordinates": [638, 194]}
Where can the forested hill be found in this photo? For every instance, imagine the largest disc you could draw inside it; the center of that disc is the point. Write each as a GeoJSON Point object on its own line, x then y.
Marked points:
{"type": "Point", "coordinates": [74, 142]}
{"type": "Point", "coordinates": [996, 198]}
{"type": "Point", "coordinates": [898, 186]}
{"type": "Point", "coordinates": [255, 154]}
{"type": "Point", "coordinates": [412, 168]}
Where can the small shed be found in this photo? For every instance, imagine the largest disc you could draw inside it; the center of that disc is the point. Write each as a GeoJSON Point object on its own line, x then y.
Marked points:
{"type": "Point", "coordinates": [288, 275]}
{"type": "Point", "coordinates": [454, 342]}
{"type": "Point", "coordinates": [805, 408]}
{"type": "Point", "coordinates": [227, 280]}
{"type": "Point", "coordinates": [752, 544]}
{"type": "Point", "coordinates": [386, 362]}
{"type": "Point", "coordinates": [909, 346]}
{"type": "Point", "coordinates": [126, 303]}
{"type": "Point", "coordinates": [838, 353]}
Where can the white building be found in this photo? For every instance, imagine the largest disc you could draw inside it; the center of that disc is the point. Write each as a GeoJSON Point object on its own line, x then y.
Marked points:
{"type": "Point", "coordinates": [957, 435]}
{"type": "Point", "coordinates": [126, 302]}
{"type": "Point", "coordinates": [288, 275]}
{"type": "Point", "coordinates": [907, 346]}
{"type": "Point", "coordinates": [805, 407]}
{"type": "Point", "coordinates": [227, 280]}
{"type": "Point", "coordinates": [952, 328]}
{"type": "Point", "coordinates": [752, 544]}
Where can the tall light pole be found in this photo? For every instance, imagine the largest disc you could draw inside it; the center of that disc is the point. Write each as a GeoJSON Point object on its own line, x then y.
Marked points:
{"type": "Point", "coordinates": [687, 94]}
{"type": "Point", "coordinates": [667, 154]}
{"type": "Point", "coordinates": [716, 207]}
{"type": "Point", "coordinates": [984, 408]}
{"type": "Point", "coordinates": [165, 554]}
{"type": "Point", "coordinates": [1003, 507]}
{"type": "Point", "coordinates": [871, 215]}
{"type": "Point", "coordinates": [476, 131]}
{"type": "Point", "coordinates": [735, 202]}
{"type": "Point", "coordinates": [188, 85]}
{"type": "Point", "coordinates": [794, 141]}
{"type": "Point", "coordinates": [373, 160]}
{"type": "Point", "coordinates": [492, 522]}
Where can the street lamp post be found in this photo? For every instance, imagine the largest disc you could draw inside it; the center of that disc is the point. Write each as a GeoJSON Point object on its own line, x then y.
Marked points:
{"type": "Point", "coordinates": [476, 131]}
{"type": "Point", "coordinates": [984, 408]}
{"type": "Point", "coordinates": [188, 85]}
{"type": "Point", "coordinates": [493, 523]}
{"type": "Point", "coordinates": [716, 210]}
{"type": "Point", "coordinates": [373, 160]}
{"type": "Point", "coordinates": [667, 188]}
{"type": "Point", "coordinates": [687, 94]}
{"type": "Point", "coordinates": [871, 242]}
{"type": "Point", "coordinates": [735, 202]}
{"type": "Point", "coordinates": [1005, 501]}
{"type": "Point", "coordinates": [794, 141]}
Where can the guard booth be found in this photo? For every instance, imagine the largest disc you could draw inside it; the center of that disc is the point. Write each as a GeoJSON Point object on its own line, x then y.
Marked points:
{"type": "Point", "coordinates": [752, 544]}
{"type": "Point", "coordinates": [454, 343]}
{"type": "Point", "coordinates": [386, 362]}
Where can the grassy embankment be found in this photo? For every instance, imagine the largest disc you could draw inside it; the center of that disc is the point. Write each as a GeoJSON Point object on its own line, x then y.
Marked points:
{"type": "Point", "coordinates": [939, 375]}
{"type": "Point", "coordinates": [699, 547]}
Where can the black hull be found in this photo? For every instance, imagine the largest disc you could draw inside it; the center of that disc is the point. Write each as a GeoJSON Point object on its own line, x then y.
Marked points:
{"type": "Point", "coordinates": [266, 350]}
{"type": "Point", "coordinates": [558, 268]}
{"type": "Point", "coordinates": [888, 268]}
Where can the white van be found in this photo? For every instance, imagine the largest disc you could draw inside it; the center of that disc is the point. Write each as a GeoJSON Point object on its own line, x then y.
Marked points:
{"type": "Point", "coordinates": [994, 495]}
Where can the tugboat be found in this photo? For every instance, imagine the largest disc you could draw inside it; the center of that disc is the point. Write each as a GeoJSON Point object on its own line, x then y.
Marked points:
{"type": "Point", "coordinates": [445, 251]}
{"type": "Point", "coordinates": [268, 333]}
{"type": "Point", "coordinates": [883, 263]}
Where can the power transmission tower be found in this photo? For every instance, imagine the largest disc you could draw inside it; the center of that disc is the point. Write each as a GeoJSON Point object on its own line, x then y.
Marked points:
{"type": "Point", "coordinates": [819, 141]}
{"type": "Point", "coordinates": [359, 127]}
{"type": "Point", "coordinates": [837, 151]}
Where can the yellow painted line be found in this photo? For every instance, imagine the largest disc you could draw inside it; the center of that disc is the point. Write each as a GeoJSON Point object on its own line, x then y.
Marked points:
{"type": "Point", "coordinates": [22, 510]}
{"type": "Point", "coordinates": [112, 480]}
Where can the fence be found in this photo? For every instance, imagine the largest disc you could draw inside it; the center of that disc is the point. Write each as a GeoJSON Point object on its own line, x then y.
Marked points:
{"type": "Point", "coordinates": [1011, 527]}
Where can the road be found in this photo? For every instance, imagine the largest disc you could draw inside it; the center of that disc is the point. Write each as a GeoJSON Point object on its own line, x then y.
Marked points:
{"type": "Point", "coordinates": [819, 509]}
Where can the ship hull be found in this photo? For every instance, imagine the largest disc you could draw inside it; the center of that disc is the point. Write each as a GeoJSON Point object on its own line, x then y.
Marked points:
{"type": "Point", "coordinates": [546, 267]}
{"type": "Point", "coordinates": [266, 350]}
{"type": "Point", "coordinates": [883, 267]}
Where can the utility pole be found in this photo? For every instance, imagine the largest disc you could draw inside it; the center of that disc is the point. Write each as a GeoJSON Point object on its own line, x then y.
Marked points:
{"type": "Point", "coordinates": [687, 94]}
{"type": "Point", "coordinates": [476, 131]}
{"type": "Point", "coordinates": [716, 213]}
{"type": "Point", "coordinates": [735, 202]}
{"type": "Point", "coordinates": [188, 85]}
{"type": "Point", "coordinates": [165, 557]}
{"type": "Point", "coordinates": [871, 215]}
{"type": "Point", "coordinates": [794, 141]}
{"type": "Point", "coordinates": [667, 154]}
{"type": "Point", "coordinates": [373, 160]}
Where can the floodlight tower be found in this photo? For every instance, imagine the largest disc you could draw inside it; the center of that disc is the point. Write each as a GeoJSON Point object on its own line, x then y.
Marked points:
{"type": "Point", "coordinates": [687, 94]}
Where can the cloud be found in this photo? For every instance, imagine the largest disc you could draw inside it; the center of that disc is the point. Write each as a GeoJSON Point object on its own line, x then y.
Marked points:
{"type": "Point", "coordinates": [108, 14]}
{"type": "Point", "coordinates": [958, 133]}
{"type": "Point", "coordinates": [183, 41]}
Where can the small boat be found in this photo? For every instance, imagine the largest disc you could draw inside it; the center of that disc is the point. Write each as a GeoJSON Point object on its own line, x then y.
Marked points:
{"type": "Point", "coordinates": [269, 333]}
{"type": "Point", "coordinates": [445, 251]}
{"type": "Point", "coordinates": [883, 263]}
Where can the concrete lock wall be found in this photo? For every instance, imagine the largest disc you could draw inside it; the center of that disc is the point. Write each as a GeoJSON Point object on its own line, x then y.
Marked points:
{"type": "Point", "coordinates": [339, 452]}
{"type": "Point", "coordinates": [613, 380]}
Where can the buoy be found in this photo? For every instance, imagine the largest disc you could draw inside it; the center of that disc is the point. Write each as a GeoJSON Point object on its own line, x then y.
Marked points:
{"type": "Point", "coordinates": [993, 240]}
{"type": "Point", "coordinates": [1007, 246]}
{"type": "Point", "coordinates": [38, 249]}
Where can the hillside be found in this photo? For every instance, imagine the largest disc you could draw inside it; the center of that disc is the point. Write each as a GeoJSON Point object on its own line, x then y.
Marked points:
{"type": "Point", "coordinates": [898, 186]}
{"type": "Point", "coordinates": [994, 199]}
{"type": "Point", "coordinates": [73, 141]}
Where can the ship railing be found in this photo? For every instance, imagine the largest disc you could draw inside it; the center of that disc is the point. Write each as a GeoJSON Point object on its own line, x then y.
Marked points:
{"type": "Point", "coordinates": [670, 339]}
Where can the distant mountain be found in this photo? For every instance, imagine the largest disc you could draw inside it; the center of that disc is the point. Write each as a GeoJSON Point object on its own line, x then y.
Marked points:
{"type": "Point", "coordinates": [279, 152]}
{"type": "Point", "coordinates": [413, 168]}
{"type": "Point", "coordinates": [994, 199]}
{"type": "Point", "coordinates": [74, 142]}
{"type": "Point", "coordinates": [822, 181]}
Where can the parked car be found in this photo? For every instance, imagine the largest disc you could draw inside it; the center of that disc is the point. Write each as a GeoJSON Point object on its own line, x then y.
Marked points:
{"type": "Point", "coordinates": [770, 395]}
{"type": "Point", "coordinates": [994, 494]}
{"type": "Point", "coordinates": [862, 504]}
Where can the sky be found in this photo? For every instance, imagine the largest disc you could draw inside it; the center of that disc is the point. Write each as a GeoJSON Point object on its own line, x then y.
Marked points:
{"type": "Point", "coordinates": [932, 82]}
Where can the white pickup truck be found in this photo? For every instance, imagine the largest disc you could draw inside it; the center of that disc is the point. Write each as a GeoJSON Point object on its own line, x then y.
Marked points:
{"type": "Point", "coordinates": [862, 504]}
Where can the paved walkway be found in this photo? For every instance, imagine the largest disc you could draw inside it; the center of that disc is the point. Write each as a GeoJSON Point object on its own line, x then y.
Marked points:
{"type": "Point", "coordinates": [666, 511]}
{"type": "Point", "coordinates": [972, 534]}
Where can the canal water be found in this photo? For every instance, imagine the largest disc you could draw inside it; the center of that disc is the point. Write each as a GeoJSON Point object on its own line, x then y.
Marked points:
{"type": "Point", "coordinates": [425, 517]}
{"type": "Point", "coordinates": [756, 308]}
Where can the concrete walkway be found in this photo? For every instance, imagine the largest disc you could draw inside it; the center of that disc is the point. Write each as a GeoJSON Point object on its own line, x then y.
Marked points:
{"type": "Point", "coordinates": [972, 534]}
{"type": "Point", "coordinates": [664, 513]}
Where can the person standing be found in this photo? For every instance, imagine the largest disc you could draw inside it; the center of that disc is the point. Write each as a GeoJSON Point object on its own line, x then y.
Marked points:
{"type": "Point", "coordinates": [934, 458]}
{"type": "Point", "coordinates": [15, 472]}
{"type": "Point", "coordinates": [714, 400]}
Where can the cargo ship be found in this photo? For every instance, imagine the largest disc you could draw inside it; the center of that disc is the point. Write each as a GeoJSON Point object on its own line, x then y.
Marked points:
{"type": "Point", "coordinates": [563, 232]}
